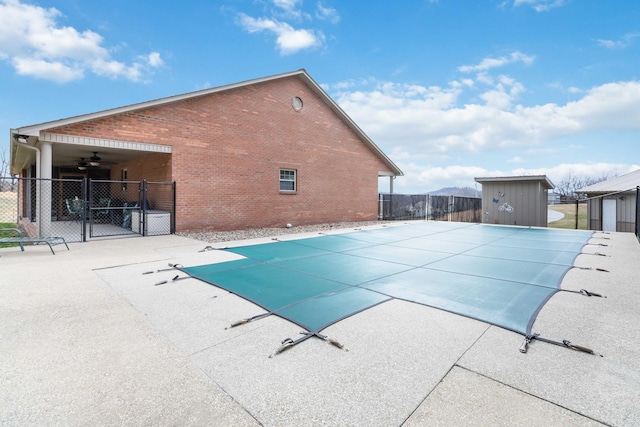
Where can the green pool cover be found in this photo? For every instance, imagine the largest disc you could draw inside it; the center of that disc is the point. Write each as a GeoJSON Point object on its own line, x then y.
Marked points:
{"type": "Point", "coordinates": [497, 274]}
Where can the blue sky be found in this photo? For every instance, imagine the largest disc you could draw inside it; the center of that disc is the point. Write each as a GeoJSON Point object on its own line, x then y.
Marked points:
{"type": "Point", "coordinates": [449, 89]}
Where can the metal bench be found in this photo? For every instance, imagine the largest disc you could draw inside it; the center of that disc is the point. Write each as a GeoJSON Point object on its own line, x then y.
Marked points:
{"type": "Point", "coordinates": [21, 240]}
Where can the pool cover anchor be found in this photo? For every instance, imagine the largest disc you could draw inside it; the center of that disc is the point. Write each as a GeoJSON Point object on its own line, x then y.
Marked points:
{"type": "Point", "coordinates": [288, 343]}
{"type": "Point", "coordinates": [592, 268]}
{"type": "Point", "coordinates": [211, 248]}
{"type": "Point", "coordinates": [584, 292]}
{"type": "Point", "coordinates": [247, 320]}
{"type": "Point", "coordinates": [171, 267]}
{"type": "Point", "coordinates": [563, 343]}
{"type": "Point", "coordinates": [332, 342]}
{"type": "Point", "coordinates": [175, 279]}
{"type": "Point", "coordinates": [527, 341]}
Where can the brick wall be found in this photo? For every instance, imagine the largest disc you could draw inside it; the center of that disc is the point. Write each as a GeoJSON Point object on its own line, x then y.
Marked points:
{"type": "Point", "coordinates": [228, 148]}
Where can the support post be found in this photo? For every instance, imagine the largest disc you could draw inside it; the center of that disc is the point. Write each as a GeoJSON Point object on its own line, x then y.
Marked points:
{"type": "Point", "coordinates": [45, 188]}
{"type": "Point", "coordinates": [38, 187]}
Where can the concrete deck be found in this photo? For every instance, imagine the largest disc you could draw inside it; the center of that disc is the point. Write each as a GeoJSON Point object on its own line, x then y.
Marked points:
{"type": "Point", "coordinates": [87, 339]}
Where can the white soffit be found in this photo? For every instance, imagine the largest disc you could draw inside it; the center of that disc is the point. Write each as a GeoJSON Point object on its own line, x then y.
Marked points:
{"type": "Point", "coordinates": [104, 143]}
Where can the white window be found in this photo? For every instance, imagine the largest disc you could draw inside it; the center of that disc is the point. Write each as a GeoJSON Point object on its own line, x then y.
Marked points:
{"type": "Point", "coordinates": [288, 180]}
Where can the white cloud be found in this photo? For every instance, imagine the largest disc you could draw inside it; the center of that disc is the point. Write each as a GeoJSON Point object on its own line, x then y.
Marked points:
{"type": "Point", "coordinates": [595, 169]}
{"type": "Point", "coordinates": [419, 178]}
{"type": "Point", "coordinates": [419, 126]}
{"type": "Point", "coordinates": [287, 4]}
{"type": "Point", "coordinates": [327, 13]}
{"type": "Point", "coordinates": [289, 40]}
{"type": "Point", "coordinates": [610, 106]}
{"type": "Point", "coordinates": [429, 120]}
{"type": "Point", "coordinates": [54, 71]}
{"type": "Point", "coordinates": [625, 41]}
{"type": "Point", "coordinates": [154, 60]}
{"type": "Point", "coordinates": [489, 63]}
{"type": "Point", "coordinates": [33, 42]}
{"type": "Point", "coordinates": [541, 5]}
{"type": "Point", "coordinates": [288, 9]}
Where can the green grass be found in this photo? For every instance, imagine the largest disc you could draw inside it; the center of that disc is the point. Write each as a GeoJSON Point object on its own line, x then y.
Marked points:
{"type": "Point", "coordinates": [569, 220]}
{"type": "Point", "coordinates": [7, 234]}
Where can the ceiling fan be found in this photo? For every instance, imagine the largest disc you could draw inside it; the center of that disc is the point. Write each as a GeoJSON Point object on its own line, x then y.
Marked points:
{"type": "Point", "coordinates": [94, 161]}
{"type": "Point", "coordinates": [82, 164]}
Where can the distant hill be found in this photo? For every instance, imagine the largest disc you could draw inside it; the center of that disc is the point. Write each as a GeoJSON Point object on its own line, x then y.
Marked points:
{"type": "Point", "coordinates": [457, 191]}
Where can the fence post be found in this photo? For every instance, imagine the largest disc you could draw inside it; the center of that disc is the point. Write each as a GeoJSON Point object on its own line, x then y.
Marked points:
{"type": "Point", "coordinates": [173, 223]}
{"type": "Point", "coordinates": [638, 212]}
{"type": "Point", "coordinates": [143, 207]}
{"type": "Point", "coordinates": [577, 211]}
{"type": "Point", "coordinates": [426, 207]}
{"type": "Point", "coordinates": [83, 193]}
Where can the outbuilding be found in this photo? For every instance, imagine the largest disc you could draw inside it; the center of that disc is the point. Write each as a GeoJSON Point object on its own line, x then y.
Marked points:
{"type": "Point", "coordinates": [612, 204]}
{"type": "Point", "coordinates": [515, 200]}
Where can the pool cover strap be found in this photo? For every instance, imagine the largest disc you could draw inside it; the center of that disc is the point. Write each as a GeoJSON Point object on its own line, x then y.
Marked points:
{"type": "Point", "coordinates": [287, 343]}
{"type": "Point", "coordinates": [563, 343]}
{"type": "Point", "coordinates": [174, 279]}
{"type": "Point", "coordinates": [248, 319]}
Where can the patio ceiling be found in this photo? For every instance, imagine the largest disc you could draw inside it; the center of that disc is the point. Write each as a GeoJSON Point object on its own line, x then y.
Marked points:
{"type": "Point", "coordinates": [67, 150]}
{"type": "Point", "coordinates": [70, 154]}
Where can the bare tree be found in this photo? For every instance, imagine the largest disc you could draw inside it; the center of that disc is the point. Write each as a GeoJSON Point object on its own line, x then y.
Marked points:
{"type": "Point", "coordinates": [4, 163]}
{"type": "Point", "coordinates": [571, 183]}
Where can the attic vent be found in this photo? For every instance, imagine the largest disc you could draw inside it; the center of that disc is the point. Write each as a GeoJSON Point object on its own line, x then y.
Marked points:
{"type": "Point", "coordinates": [296, 103]}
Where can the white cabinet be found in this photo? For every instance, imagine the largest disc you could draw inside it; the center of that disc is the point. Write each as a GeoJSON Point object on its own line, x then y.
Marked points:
{"type": "Point", "coordinates": [158, 222]}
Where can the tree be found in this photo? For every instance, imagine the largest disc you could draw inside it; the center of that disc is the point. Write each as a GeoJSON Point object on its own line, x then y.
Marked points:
{"type": "Point", "coordinates": [4, 163]}
{"type": "Point", "coordinates": [571, 183]}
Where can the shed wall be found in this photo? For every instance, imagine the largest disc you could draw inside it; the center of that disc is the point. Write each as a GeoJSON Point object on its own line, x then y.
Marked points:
{"type": "Point", "coordinates": [514, 203]}
{"type": "Point", "coordinates": [625, 212]}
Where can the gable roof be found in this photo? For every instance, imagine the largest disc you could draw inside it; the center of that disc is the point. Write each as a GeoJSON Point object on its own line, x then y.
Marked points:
{"type": "Point", "coordinates": [34, 130]}
{"type": "Point", "coordinates": [624, 182]}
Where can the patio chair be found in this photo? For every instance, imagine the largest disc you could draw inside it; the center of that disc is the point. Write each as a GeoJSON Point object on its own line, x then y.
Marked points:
{"type": "Point", "coordinates": [74, 208]}
{"type": "Point", "coordinates": [103, 210]}
{"type": "Point", "coordinates": [127, 209]}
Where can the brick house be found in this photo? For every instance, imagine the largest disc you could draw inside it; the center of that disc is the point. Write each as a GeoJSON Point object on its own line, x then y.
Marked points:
{"type": "Point", "coordinates": [259, 153]}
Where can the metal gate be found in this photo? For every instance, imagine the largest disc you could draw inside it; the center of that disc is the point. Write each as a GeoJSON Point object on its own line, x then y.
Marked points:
{"type": "Point", "coordinates": [130, 207]}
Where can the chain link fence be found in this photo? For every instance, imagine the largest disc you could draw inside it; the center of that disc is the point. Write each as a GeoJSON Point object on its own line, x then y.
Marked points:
{"type": "Point", "coordinates": [78, 209]}
{"type": "Point", "coordinates": [428, 207]}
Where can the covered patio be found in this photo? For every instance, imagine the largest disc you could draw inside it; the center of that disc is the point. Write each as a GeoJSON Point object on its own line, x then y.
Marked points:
{"type": "Point", "coordinates": [56, 195]}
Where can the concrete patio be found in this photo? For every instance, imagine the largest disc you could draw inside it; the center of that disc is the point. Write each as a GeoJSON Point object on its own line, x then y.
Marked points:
{"type": "Point", "coordinates": [87, 339]}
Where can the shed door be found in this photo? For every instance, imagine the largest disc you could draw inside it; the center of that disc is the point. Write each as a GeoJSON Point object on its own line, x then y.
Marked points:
{"type": "Point", "coordinates": [609, 215]}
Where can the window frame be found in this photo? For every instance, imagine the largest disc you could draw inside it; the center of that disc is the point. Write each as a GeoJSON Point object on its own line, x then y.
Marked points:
{"type": "Point", "coordinates": [282, 180]}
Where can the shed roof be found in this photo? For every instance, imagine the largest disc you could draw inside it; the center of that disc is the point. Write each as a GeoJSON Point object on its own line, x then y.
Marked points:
{"type": "Point", "coordinates": [528, 178]}
{"type": "Point", "coordinates": [34, 130]}
{"type": "Point", "coordinates": [624, 182]}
